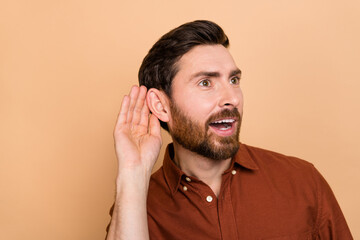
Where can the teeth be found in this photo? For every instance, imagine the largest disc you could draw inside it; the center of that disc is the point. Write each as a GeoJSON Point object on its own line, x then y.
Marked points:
{"type": "Point", "coordinates": [225, 121]}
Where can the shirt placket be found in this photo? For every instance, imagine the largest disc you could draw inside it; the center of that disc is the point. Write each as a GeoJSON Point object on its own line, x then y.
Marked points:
{"type": "Point", "coordinates": [226, 215]}
{"type": "Point", "coordinates": [222, 204]}
{"type": "Point", "coordinates": [206, 201]}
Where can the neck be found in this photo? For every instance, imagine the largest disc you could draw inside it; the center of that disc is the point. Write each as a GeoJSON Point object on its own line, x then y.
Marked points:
{"type": "Point", "coordinates": [207, 170]}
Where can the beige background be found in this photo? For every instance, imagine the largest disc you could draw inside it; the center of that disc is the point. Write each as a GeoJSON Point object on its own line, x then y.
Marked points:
{"type": "Point", "coordinates": [65, 65]}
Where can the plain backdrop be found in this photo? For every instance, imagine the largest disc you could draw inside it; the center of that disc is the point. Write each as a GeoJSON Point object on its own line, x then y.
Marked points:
{"type": "Point", "coordinates": [66, 64]}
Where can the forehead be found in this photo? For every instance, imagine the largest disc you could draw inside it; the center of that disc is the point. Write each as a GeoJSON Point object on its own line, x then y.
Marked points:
{"type": "Point", "coordinates": [214, 58]}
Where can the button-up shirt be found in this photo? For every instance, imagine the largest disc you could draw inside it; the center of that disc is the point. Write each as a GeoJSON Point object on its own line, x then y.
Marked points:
{"type": "Point", "coordinates": [263, 195]}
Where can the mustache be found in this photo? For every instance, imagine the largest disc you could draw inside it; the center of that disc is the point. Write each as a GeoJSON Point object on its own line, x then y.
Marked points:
{"type": "Point", "coordinates": [226, 113]}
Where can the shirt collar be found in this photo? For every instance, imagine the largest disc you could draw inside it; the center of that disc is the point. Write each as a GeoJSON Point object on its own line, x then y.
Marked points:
{"type": "Point", "coordinates": [173, 173]}
{"type": "Point", "coordinates": [243, 158]}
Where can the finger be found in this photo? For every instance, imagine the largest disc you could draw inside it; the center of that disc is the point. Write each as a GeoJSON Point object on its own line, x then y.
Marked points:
{"type": "Point", "coordinates": [123, 111]}
{"type": "Point", "coordinates": [144, 117]}
{"type": "Point", "coordinates": [134, 92]}
{"type": "Point", "coordinates": [140, 102]}
{"type": "Point", "coordinates": [154, 126]}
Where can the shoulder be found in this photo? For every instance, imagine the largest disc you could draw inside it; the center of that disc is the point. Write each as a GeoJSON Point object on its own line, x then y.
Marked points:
{"type": "Point", "coordinates": [267, 159]}
{"type": "Point", "coordinates": [283, 170]}
{"type": "Point", "coordinates": [158, 180]}
{"type": "Point", "coordinates": [159, 189]}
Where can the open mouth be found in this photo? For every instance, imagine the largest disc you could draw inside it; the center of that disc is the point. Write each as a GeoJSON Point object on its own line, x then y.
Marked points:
{"type": "Point", "coordinates": [223, 124]}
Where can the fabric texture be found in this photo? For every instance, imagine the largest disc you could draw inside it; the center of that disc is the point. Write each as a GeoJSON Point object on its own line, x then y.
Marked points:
{"type": "Point", "coordinates": [263, 195]}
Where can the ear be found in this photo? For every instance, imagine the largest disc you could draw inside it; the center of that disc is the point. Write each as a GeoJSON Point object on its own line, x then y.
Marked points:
{"type": "Point", "coordinates": [158, 103]}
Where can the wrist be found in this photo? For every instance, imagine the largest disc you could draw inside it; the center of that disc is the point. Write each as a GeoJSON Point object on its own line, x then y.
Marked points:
{"type": "Point", "coordinates": [132, 180]}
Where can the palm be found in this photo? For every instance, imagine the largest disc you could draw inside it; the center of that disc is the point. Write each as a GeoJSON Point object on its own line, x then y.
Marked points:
{"type": "Point", "coordinates": [137, 138]}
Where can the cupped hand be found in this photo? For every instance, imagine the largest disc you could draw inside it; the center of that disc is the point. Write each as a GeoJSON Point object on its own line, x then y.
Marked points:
{"type": "Point", "coordinates": [137, 133]}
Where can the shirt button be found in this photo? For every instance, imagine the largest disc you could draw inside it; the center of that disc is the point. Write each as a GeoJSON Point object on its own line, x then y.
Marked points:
{"type": "Point", "coordinates": [209, 198]}
{"type": "Point", "coordinates": [233, 172]}
{"type": "Point", "coordinates": [188, 179]}
{"type": "Point", "coordinates": [185, 188]}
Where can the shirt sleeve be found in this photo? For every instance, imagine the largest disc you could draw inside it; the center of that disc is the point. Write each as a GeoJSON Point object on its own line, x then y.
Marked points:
{"type": "Point", "coordinates": [331, 223]}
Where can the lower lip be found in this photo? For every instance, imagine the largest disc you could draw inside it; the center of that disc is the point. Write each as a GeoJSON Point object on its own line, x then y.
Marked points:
{"type": "Point", "coordinates": [225, 133]}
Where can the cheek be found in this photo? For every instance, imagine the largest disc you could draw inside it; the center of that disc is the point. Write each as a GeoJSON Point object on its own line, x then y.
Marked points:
{"type": "Point", "coordinates": [241, 99]}
{"type": "Point", "coordinates": [197, 107]}
{"type": "Point", "coordinates": [238, 92]}
{"type": "Point", "coordinates": [201, 103]}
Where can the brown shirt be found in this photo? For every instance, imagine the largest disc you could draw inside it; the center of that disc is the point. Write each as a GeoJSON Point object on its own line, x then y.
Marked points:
{"type": "Point", "coordinates": [264, 195]}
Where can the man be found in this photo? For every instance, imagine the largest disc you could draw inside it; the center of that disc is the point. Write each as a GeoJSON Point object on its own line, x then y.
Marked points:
{"type": "Point", "coordinates": [210, 186]}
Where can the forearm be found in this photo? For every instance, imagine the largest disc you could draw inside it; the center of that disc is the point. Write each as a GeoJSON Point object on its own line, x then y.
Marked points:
{"type": "Point", "coordinates": [129, 219]}
{"type": "Point", "coordinates": [137, 144]}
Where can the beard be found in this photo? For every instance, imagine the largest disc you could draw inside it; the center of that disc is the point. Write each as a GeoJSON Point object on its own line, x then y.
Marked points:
{"type": "Point", "coordinates": [195, 137]}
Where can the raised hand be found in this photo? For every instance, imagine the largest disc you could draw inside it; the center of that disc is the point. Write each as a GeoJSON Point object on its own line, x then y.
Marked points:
{"type": "Point", "coordinates": [137, 136]}
{"type": "Point", "coordinates": [137, 142]}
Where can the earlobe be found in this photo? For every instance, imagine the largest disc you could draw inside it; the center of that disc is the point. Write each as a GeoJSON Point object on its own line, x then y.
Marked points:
{"type": "Point", "coordinates": [158, 104]}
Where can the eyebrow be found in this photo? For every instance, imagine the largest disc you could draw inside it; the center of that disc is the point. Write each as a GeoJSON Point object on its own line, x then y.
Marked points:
{"type": "Point", "coordinates": [214, 74]}
{"type": "Point", "coordinates": [235, 72]}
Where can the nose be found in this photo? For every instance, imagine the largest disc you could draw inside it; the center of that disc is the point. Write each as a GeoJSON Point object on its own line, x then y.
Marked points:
{"type": "Point", "coordinates": [230, 97]}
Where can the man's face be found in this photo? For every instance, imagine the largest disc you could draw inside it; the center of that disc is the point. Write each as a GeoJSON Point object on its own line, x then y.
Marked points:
{"type": "Point", "coordinates": [206, 104]}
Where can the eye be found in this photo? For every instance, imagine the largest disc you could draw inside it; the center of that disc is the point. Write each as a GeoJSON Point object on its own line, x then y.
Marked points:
{"type": "Point", "coordinates": [235, 80]}
{"type": "Point", "coordinates": [205, 83]}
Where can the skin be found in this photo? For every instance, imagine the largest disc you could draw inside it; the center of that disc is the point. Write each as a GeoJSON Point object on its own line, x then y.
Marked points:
{"type": "Point", "coordinates": [137, 144]}
{"type": "Point", "coordinates": [137, 136]}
